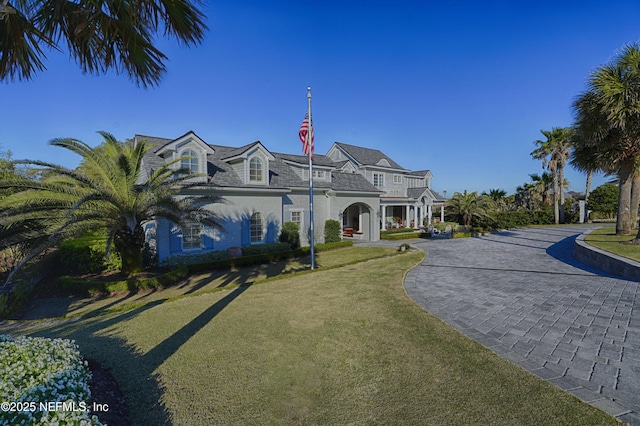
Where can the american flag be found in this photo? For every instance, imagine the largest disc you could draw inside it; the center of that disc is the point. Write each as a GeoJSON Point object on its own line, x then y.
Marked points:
{"type": "Point", "coordinates": [307, 146]}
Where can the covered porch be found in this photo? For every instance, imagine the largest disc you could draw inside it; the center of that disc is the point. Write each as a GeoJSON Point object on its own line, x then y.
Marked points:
{"type": "Point", "coordinates": [356, 222]}
{"type": "Point", "coordinates": [410, 213]}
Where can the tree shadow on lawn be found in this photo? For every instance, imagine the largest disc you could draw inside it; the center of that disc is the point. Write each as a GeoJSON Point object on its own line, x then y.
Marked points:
{"type": "Point", "coordinates": [246, 275]}
{"type": "Point", "coordinates": [135, 372]}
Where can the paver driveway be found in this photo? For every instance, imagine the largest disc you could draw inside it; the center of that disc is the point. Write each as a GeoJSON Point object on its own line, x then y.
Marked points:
{"type": "Point", "coordinates": [521, 294]}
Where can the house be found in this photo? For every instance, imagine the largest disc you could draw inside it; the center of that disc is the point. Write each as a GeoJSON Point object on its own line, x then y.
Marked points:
{"type": "Point", "coordinates": [362, 188]}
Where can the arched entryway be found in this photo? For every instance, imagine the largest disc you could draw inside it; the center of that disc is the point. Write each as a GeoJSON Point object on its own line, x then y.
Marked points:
{"type": "Point", "coordinates": [357, 221]}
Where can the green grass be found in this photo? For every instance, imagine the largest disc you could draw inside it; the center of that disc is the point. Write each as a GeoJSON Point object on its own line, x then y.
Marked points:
{"type": "Point", "coordinates": [605, 238]}
{"type": "Point", "coordinates": [342, 345]}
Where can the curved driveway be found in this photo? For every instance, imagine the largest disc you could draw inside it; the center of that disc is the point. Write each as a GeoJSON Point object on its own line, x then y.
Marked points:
{"type": "Point", "coordinates": [521, 294]}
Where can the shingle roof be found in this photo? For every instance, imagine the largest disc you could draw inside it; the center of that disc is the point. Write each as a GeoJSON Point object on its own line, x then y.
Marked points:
{"type": "Point", "coordinates": [151, 160]}
{"type": "Point", "coordinates": [351, 182]}
{"type": "Point", "coordinates": [417, 192]}
{"type": "Point", "coordinates": [221, 173]}
{"type": "Point", "coordinates": [367, 156]}
{"type": "Point", "coordinates": [318, 160]}
{"type": "Point", "coordinates": [224, 152]}
{"type": "Point", "coordinates": [420, 173]}
{"type": "Point", "coordinates": [281, 173]}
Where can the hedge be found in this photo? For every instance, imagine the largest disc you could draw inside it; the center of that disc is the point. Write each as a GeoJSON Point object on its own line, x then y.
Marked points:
{"type": "Point", "coordinates": [396, 231]}
{"type": "Point", "coordinates": [404, 236]}
{"type": "Point", "coordinates": [83, 287]}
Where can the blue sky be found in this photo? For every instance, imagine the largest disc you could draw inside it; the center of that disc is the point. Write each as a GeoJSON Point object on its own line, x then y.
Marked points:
{"type": "Point", "coordinates": [461, 88]}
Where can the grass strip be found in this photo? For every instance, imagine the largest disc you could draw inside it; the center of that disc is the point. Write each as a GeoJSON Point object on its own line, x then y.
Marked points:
{"type": "Point", "coordinates": [605, 238]}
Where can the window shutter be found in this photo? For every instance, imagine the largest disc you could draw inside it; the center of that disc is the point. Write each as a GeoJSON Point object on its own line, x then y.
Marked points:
{"type": "Point", "coordinates": [246, 231]}
{"type": "Point", "coordinates": [207, 241]}
{"type": "Point", "coordinates": [175, 241]}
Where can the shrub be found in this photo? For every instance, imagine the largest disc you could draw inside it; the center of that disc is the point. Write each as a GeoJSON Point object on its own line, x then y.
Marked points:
{"type": "Point", "coordinates": [396, 231]}
{"type": "Point", "coordinates": [461, 235]}
{"type": "Point", "coordinates": [87, 254]}
{"type": "Point", "coordinates": [521, 218]}
{"type": "Point", "coordinates": [332, 231]}
{"type": "Point", "coordinates": [193, 258]}
{"type": "Point", "coordinates": [395, 236]}
{"type": "Point", "coordinates": [265, 248]}
{"type": "Point", "coordinates": [39, 370]}
{"type": "Point", "coordinates": [290, 234]}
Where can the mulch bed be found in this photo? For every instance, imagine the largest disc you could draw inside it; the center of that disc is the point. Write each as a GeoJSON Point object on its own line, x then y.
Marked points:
{"type": "Point", "coordinates": [105, 391]}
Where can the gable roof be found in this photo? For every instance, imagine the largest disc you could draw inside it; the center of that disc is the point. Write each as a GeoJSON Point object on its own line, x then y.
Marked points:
{"type": "Point", "coordinates": [420, 173]}
{"type": "Point", "coordinates": [282, 173]}
{"type": "Point", "coordinates": [368, 156]}
{"type": "Point", "coordinates": [162, 144]}
{"type": "Point", "coordinates": [228, 153]}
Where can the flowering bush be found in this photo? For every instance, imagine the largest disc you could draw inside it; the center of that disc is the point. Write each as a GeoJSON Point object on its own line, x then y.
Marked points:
{"type": "Point", "coordinates": [43, 381]}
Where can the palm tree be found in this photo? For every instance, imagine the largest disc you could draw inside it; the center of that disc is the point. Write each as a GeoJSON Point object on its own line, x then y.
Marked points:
{"type": "Point", "coordinates": [554, 153]}
{"type": "Point", "coordinates": [498, 197]}
{"type": "Point", "coordinates": [608, 120]}
{"type": "Point", "coordinates": [541, 186]}
{"type": "Point", "coordinates": [470, 205]}
{"type": "Point", "coordinates": [99, 35]}
{"type": "Point", "coordinates": [108, 191]}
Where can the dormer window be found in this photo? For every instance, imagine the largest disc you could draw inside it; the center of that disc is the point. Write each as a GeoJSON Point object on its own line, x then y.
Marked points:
{"type": "Point", "coordinates": [378, 180]}
{"type": "Point", "coordinates": [256, 170]}
{"type": "Point", "coordinates": [189, 161]}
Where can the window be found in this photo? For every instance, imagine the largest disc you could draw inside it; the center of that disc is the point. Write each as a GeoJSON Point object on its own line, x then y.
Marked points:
{"type": "Point", "coordinates": [415, 183]}
{"type": "Point", "coordinates": [255, 228]}
{"type": "Point", "coordinates": [191, 238]}
{"type": "Point", "coordinates": [189, 161]}
{"type": "Point", "coordinates": [296, 217]}
{"type": "Point", "coordinates": [397, 179]}
{"type": "Point", "coordinates": [319, 174]}
{"type": "Point", "coordinates": [255, 170]}
{"type": "Point", "coordinates": [378, 179]}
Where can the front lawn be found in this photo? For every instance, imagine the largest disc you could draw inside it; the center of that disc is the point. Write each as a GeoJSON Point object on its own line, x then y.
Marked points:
{"type": "Point", "coordinates": [343, 345]}
{"type": "Point", "coordinates": [605, 238]}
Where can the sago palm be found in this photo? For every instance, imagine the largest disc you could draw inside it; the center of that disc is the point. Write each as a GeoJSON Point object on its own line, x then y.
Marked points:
{"type": "Point", "coordinates": [469, 205]}
{"type": "Point", "coordinates": [108, 191]}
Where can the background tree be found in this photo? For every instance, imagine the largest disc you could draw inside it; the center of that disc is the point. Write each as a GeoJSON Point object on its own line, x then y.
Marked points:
{"type": "Point", "coordinates": [99, 35]}
{"type": "Point", "coordinates": [107, 192]}
{"type": "Point", "coordinates": [499, 198]}
{"type": "Point", "coordinates": [7, 169]}
{"type": "Point", "coordinates": [604, 200]}
{"type": "Point", "coordinates": [608, 123]}
{"type": "Point", "coordinates": [554, 153]}
{"type": "Point", "coordinates": [542, 186]}
{"type": "Point", "coordinates": [469, 205]}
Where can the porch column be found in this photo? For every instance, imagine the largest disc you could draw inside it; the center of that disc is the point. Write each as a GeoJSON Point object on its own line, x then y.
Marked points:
{"type": "Point", "coordinates": [416, 225]}
{"type": "Point", "coordinates": [383, 209]}
{"type": "Point", "coordinates": [406, 216]}
{"type": "Point", "coordinates": [442, 213]}
{"type": "Point", "coordinates": [429, 213]}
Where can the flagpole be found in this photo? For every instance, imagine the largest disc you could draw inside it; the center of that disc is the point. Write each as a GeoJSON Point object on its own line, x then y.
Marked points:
{"type": "Point", "coordinates": [310, 145]}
